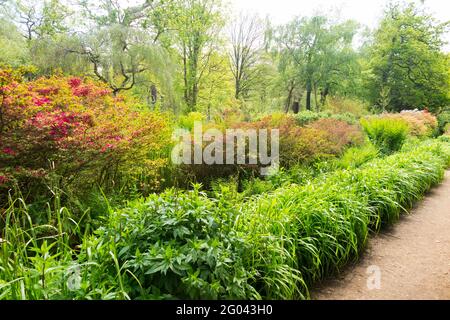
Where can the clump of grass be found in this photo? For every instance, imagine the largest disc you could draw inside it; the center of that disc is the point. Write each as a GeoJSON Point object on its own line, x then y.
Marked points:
{"type": "Point", "coordinates": [357, 156]}
{"type": "Point", "coordinates": [388, 135]}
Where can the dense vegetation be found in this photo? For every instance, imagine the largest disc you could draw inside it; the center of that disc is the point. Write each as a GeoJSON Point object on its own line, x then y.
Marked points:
{"type": "Point", "coordinates": [91, 92]}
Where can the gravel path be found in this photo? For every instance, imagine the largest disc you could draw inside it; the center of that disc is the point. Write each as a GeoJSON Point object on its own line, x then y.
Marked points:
{"type": "Point", "coordinates": [410, 260]}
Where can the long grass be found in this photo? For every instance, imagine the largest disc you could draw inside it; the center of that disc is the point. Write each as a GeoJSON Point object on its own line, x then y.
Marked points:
{"type": "Point", "coordinates": [316, 229]}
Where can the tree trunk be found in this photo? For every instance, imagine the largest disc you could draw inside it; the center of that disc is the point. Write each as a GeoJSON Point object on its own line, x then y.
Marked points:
{"type": "Point", "coordinates": [308, 99]}
{"type": "Point", "coordinates": [296, 107]}
{"type": "Point", "coordinates": [323, 95]}
{"type": "Point", "coordinates": [237, 88]}
{"type": "Point", "coordinates": [185, 76]}
{"type": "Point", "coordinates": [315, 98]}
{"type": "Point", "coordinates": [289, 99]}
{"type": "Point", "coordinates": [154, 94]}
{"type": "Point", "coordinates": [308, 95]}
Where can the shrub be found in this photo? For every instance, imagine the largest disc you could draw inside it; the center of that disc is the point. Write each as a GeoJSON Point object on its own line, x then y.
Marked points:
{"type": "Point", "coordinates": [306, 117]}
{"type": "Point", "coordinates": [386, 134]}
{"type": "Point", "coordinates": [340, 133]}
{"type": "Point", "coordinates": [357, 156]}
{"type": "Point", "coordinates": [420, 123]}
{"type": "Point", "coordinates": [447, 129]}
{"type": "Point", "coordinates": [340, 105]}
{"type": "Point", "coordinates": [74, 129]}
{"type": "Point", "coordinates": [174, 245]}
{"type": "Point", "coordinates": [322, 139]}
{"type": "Point", "coordinates": [188, 121]}
{"type": "Point", "coordinates": [443, 120]}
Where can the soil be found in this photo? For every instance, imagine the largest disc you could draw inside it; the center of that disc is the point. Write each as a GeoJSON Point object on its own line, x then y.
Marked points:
{"type": "Point", "coordinates": [412, 257]}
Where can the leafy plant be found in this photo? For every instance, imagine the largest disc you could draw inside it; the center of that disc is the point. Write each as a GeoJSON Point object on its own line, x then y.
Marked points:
{"type": "Point", "coordinates": [387, 134]}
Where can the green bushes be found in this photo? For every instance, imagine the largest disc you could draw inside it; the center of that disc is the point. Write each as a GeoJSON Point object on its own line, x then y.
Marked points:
{"type": "Point", "coordinates": [357, 156]}
{"type": "Point", "coordinates": [322, 139]}
{"type": "Point", "coordinates": [387, 134]}
{"type": "Point", "coordinates": [186, 245]}
{"type": "Point", "coordinates": [444, 120]}
{"type": "Point", "coordinates": [329, 219]}
{"type": "Point", "coordinates": [306, 117]}
{"type": "Point", "coordinates": [179, 245]}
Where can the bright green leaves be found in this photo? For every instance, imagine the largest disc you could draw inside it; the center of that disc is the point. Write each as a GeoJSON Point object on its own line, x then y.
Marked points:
{"type": "Point", "coordinates": [410, 70]}
{"type": "Point", "coordinates": [386, 134]}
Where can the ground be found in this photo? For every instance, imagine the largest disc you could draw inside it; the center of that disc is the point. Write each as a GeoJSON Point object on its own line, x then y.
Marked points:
{"type": "Point", "coordinates": [413, 256]}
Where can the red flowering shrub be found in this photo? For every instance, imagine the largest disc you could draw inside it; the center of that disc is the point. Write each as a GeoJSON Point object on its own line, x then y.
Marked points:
{"type": "Point", "coordinates": [77, 130]}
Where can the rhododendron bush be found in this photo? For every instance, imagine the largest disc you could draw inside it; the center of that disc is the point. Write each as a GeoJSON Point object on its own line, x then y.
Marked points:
{"type": "Point", "coordinates": [76, 129]}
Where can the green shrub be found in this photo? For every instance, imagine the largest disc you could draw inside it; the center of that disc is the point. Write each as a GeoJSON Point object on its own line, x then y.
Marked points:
{"type": "Point", "coordinates": [443, 120]}
{"type": "Point", "coordinates": [186, 245]}
{"type": "Point", "coordinates": [386, 134]}
{"type": "Point", "coordinates": [327, 221]}
{"type": "Point", "coordinates": [306, 117]}
{"type": "Point", "coordinates": [355, 157]}
{"type": "Point", "coordinates": [188, 121]}
{"type": "Point", "coordinates": [174, 245]}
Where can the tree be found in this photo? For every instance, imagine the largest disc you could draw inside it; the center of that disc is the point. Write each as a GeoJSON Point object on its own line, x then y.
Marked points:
{"type": "Point", "coordinates": [14, 47]}
{"type": "Point", "coordinates": [407, 61]}
{"type": "Point", "coordinates": [195, 33]}
{"type": "Point", "coordinates": [122, 42]}
{"type": "Point", "coordinates": [338, 62]}
{"type": "Point", "coordinates": [314, 52]}
{"type": "Point", "coordinates": [246, 36]}
{"type": "Point", "coordinates": [38, 20]}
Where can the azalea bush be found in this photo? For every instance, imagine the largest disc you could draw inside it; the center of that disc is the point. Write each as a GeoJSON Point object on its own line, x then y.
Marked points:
{"type": "Point", "coordinates": [74, 130]}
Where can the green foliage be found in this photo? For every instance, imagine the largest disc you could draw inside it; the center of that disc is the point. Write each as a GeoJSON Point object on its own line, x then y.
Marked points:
{"type": "Point", "coordinates": [420, 123]}
{"type": "Point", "coordinates": [409, 68]}
{"type": "Point", "coordinates": [314, 53]}
{"type": "Point", "coordinates": [14, 49]}
{"type": "Point", "coordinates": [443, 119]}
{"type": "Point", "coordinates": [185, 245]}
{"type": "Point", "coordinates": [387, 135]}
{"type": "Point", "coordinates": [306, 117]}
{"type": "Point", "coordinates": [355, 157]}
{"type": "Point", "coordinates": [175, 245]}
{"type": "Point", "coordinates": [79, 158]}
{"type": "Point", "coordinates": [188, 121]}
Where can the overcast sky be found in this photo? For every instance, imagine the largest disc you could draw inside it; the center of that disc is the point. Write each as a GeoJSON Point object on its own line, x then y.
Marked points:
{"type": "Point", "coordinates": [367, 12]}
{"type": "Point", "coordinates": [364, 11]}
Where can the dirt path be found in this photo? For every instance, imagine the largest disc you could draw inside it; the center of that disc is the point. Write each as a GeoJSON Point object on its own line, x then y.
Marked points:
{"type": "Point", "coordinates": [413, 258]}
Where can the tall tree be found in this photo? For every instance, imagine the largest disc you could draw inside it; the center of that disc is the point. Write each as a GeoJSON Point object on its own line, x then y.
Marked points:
{"type": "Point", "coordinates": [407, 61]}
{"type": "Point", "coordinates": [39, 19]}
{"type": "Point", "coordinates": [195, 32]}
{"type": "Point", "coordinates": [247, 39]}
{"type": "Point", "coordinates": [121, 44]}
{"type": "Point", "coordinates": [310, 51]}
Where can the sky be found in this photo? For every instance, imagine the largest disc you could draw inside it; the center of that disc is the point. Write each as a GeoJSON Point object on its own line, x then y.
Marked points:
{"type": "Point", "coordinates": [364, 11]}
{"type": "Point", "coordinates": [367, 12]}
